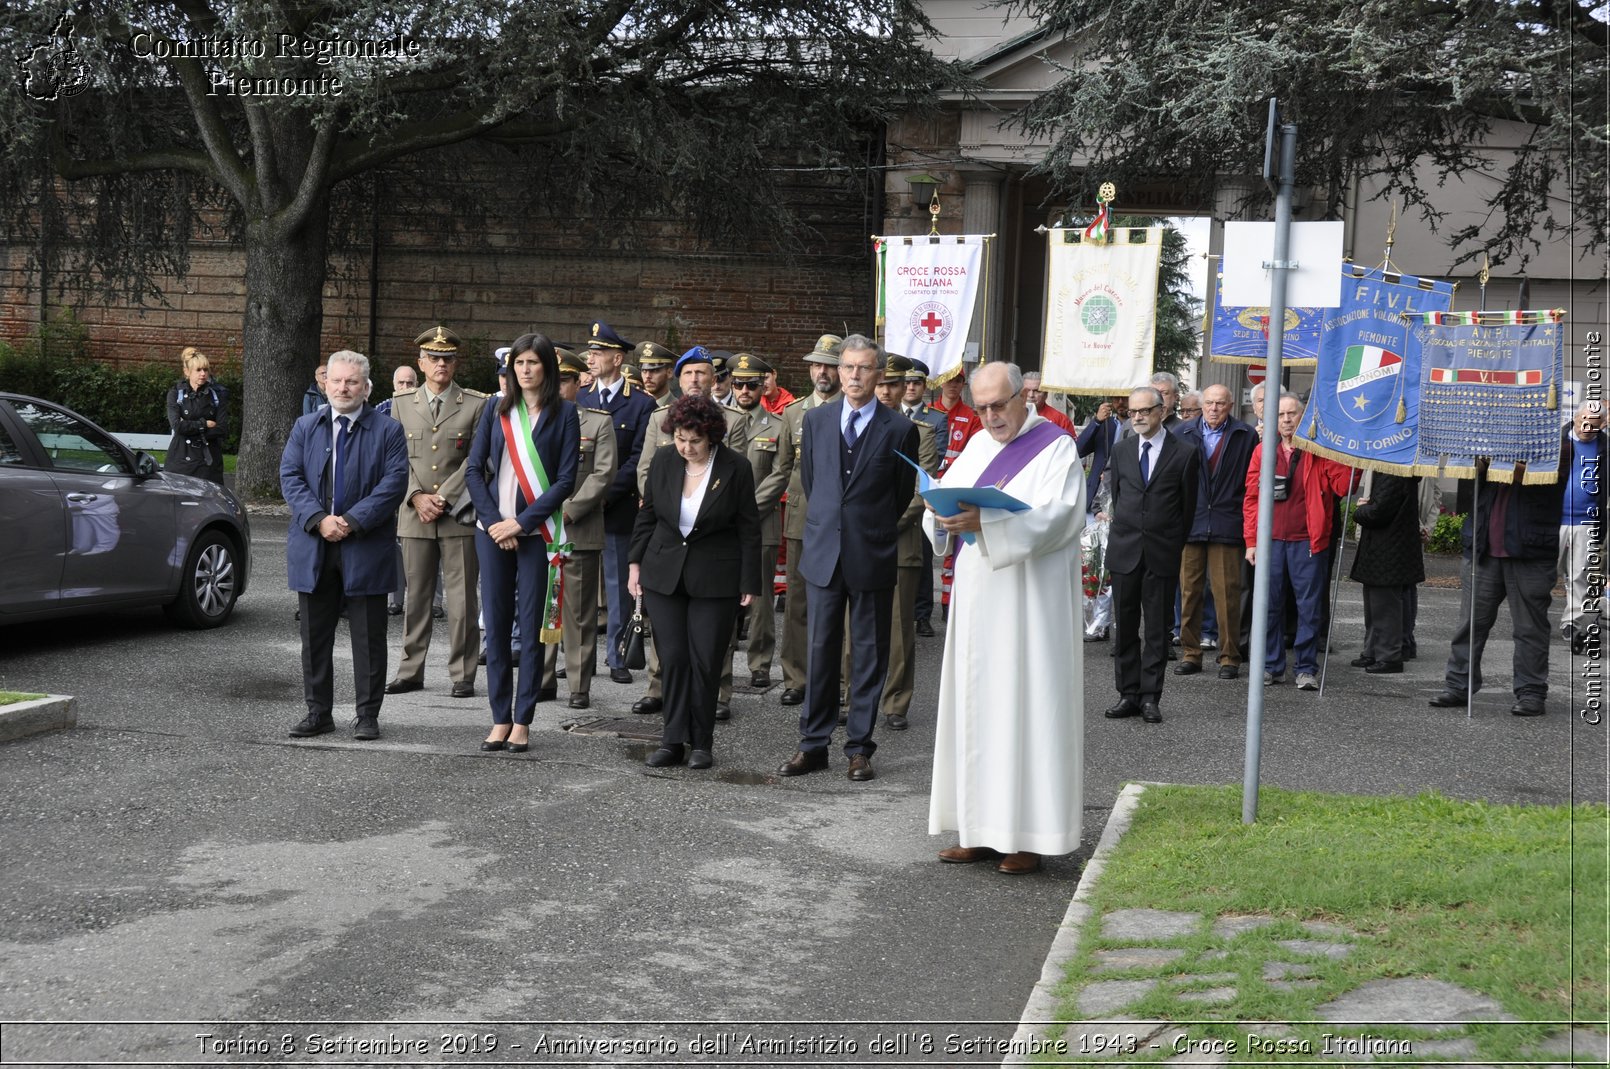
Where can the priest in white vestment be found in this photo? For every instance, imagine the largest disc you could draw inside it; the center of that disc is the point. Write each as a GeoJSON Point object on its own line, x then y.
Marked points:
{"type": "Point", "coordinates": [1009, 758]}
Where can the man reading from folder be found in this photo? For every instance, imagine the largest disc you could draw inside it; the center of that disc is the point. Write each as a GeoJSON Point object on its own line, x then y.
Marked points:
{"type": "Point", "coordinates": [1009, 757]}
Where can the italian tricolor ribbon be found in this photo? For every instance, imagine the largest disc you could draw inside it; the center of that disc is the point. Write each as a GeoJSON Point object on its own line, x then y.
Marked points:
{"type": "Point", "coordinates": [1100, 227]}
{"type": "Point", "coordinates": [534, 481]}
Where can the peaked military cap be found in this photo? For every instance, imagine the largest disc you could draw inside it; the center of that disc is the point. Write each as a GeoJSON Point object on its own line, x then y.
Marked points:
{"type": "Point", "coordinates": [570, 363]}
{"type": "Point", "coordinates": [747, 366]}
{"type": "Point", "coordinates": [630, 373]}
{"type": "Point", "coordinates": [896, 367]}
{"type": "Point", "coordinates": [651, 354]}
{"type": "Point", "coordinates": [500, 357]}
{"type": "Point", "coordinates": [438, 340]}
{"type": "Point", "coordinates": [826, 351]}
{"type": "Point", "coordinates": [604, 337]}
{"type": "Point", "coordinates": [920, 369]}
{"type": "Point", "coordinates": [721, 360]}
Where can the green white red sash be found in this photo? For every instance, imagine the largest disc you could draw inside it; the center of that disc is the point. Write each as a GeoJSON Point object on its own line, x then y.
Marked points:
{"type": "Point", "coordinates": [534, 482]}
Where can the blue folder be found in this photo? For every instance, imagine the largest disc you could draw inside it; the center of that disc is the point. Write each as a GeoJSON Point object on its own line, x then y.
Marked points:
{"type": "Point", "coordinates": [948, 500]}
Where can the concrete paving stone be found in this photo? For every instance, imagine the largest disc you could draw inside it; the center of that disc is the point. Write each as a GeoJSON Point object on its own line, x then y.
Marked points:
{"type": "Point", "coordinates": [1192, 1057]}
{"type": "Point", "coordinates": [1207, 978]}
{"type": "Point", "coordinates": [1315, 947]}
{"type": "Point", "coordinates": [1411, 1001]}
{"type": "Point", "coordinates": [1293, 985]}
{"type": "Point", "coordinates": [1104, 996]}
{"type": "Point", "coordinates": [1578, 1043]}
{"type": "Point", "coordinates": [1135, 958]}
{"type": "Point", "coordinates": [1212, 996]}
{"type": "Point", "coordinates": [1462, 1047]}
{"type": "Point", "coordinates": [1213, 955]}
{"type": "Point", "coordinates": [1280, 970]}
{"type": "Point", "coordinates": [1327, 928]}
{"type": "Point", "coordinates": [1143, 925]}
{"type": "Point", "coordinates": [1228, 927]}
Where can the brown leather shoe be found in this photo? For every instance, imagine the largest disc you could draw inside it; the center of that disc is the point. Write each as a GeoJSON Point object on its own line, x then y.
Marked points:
{"type": "Point", "coordinates": [1019, 864]}
{"type": "Point", "coordinates": [966, 855]}
{"type": "Point", "coordinates": [861, 768]}
{"type": "Point", "coordinates": [802, 762]}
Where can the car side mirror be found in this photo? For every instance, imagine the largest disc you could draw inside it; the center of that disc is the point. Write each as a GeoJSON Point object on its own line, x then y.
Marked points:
{"type": "Point", "coordinates": [145, 465]}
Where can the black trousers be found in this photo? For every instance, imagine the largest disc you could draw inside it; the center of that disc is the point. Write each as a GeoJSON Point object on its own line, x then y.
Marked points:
{"type": "Point", "coordinates": [1141, 657]}
{"type": "Point", "coordinates": [1385, 612]}
{"type": "Point", "coordinates": [691, 636]}
{"type": "Point", "coordinates": [871, 615]}
{"type": "Point", "coordinates": [366, 620]}
{"type": "Point", "coordinates": [925, 585]}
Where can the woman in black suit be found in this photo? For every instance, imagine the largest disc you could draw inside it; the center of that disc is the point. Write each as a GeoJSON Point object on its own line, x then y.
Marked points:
{"type": "Point", "coordinates": [522, 466]}
{"type": "Point", "coordinates": [196, 414]}
{"type": "Point", "coordinates": [694, 559]}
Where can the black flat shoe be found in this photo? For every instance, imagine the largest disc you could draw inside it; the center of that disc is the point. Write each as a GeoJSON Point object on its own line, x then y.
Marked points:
{"type": "Point", "coordinates": [493, 745]}
{"type": "Point", "coordinates": [700, 759]}
{"type": "Point", "coordinates": [665, 757]}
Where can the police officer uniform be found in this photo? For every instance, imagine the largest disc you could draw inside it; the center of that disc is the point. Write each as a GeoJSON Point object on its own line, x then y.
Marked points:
{"type": "Point", "coordinates": [658, 437]}
{"type": "Point", "coordinates": [439, 429]}
{"type": "Point", "coordinates": [584, 529]}
{"type": "Point", "coordinates": [772, 461]}
{"type": "Point", "coordinates": [794, 646]}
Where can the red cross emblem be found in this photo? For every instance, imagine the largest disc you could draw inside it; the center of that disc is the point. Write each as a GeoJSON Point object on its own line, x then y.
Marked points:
{"type": "Point", "coordinates": [931, 322]}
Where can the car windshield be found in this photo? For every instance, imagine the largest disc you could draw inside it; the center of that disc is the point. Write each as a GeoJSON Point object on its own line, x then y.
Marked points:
{"type": "Point", "coordinates": [71, 444]}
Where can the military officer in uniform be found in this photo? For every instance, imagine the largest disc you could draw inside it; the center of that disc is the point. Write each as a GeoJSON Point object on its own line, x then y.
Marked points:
{"type": "Point", "coordinates": [917, 407]}
{"type": "Point", "coordinates": [439, 421]}
{"type": "Point", "coordinates": [772, 465]}
{"type": "Point", "coordinates": [629, 408]}
{"type": "Point", "coordinates": [695, 374]}
{"type": "Point", "coordinates": [654, 361]}
{"type": "Point", "coordinates": [823, 365]}
{"type": "Point", "coordinates": [584, 530]}
{"type": "Point", "coordinates": [721, 387]}
{"type": "Point", "coordinates": [897, 686]}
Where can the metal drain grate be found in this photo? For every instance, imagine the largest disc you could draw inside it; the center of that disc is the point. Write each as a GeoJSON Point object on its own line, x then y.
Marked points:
{"type": "Point", "coordinates": [646, 729]}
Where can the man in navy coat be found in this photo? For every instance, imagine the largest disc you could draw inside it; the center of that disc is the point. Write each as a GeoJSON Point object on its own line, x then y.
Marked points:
{"type": "Point", "coordinates": [855, 489]}
{"type": "Point", "coordinates": [344, 473]}
{"type": "Point", "coordinates": [630, 409]}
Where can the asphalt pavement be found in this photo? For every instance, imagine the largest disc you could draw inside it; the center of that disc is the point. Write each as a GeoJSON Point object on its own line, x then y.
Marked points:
{"type": "Point", "coordinates": [177, 858]}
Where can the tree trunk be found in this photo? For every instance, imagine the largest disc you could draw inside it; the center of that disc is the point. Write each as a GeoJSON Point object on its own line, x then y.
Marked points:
{"type": "Point", "coordinates": [285, 271]}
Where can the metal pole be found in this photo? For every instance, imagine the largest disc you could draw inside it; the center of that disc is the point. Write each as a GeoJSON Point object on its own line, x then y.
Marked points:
{"type": "Point", "coordinates": [1280, 268]}
{"type": "Point", "coordinates": [1335, 587]}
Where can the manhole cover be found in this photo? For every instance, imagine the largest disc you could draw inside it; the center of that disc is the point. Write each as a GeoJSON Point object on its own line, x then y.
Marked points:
{"type": "Point", "coordinates": [645, 728]}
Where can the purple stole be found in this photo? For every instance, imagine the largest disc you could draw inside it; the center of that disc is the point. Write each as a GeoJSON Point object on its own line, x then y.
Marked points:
{"type": "Point", "coordinates": [1017, 453]}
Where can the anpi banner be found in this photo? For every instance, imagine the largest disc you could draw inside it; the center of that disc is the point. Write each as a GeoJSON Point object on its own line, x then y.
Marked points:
{"type": "Point", "coordinates": [927, 289]}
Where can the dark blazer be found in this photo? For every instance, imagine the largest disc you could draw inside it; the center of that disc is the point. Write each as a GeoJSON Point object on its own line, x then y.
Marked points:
{"type": "Point", "coordinates": [720, 556]}
{"type": "Point", "coordinates": [1096, 442]}
{"type": "Point", "coordinates": [375, 470]}
{"type": "Point", "coordinates": [853, 526]}
{"type": "Point", "coordinates": [1389, 550]}
{"type": "Point", "coordinates": [1150, 521]}
{"type": "Point", "coordinates": [558, 439]}
{"type": "Point", "coordinates": [197, 449]}
{"type": "Point", "coordinates": [629, 414]}
{"type": "Point", "coordinates": [1219, 494]}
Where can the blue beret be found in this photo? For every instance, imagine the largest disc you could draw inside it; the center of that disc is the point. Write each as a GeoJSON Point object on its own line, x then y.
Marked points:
{"type": "Point", "coordinates": [696, 355]}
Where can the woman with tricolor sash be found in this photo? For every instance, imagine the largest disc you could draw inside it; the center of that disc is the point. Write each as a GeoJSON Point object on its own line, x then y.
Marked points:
{"type": "Point", "coordinates": [521, 468]}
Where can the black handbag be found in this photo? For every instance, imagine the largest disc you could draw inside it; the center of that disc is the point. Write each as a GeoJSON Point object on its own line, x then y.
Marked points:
{"type": "Point", "coordinates": [631, 647]}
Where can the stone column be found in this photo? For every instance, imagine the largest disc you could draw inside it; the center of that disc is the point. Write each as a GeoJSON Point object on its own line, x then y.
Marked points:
{"type": "Point", "coordinates": [981, 214]}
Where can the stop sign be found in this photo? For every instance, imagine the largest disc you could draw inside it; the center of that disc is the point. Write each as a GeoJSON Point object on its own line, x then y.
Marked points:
{"type": "Point", "coordinates": [1255, 374]}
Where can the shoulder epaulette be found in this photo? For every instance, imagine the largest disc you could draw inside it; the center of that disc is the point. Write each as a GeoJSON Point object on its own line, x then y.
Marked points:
{"type": "Point", "coordinates": [477, 394]}
{"type": "Point", "coordinates": [597, 411]}
{"type": "Point", "coordinates": [407, 393]}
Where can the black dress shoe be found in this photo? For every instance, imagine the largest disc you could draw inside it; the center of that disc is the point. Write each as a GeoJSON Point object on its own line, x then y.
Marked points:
{"type": "Point", "coordinates": [647, 706]}
{"type": "Point", "coordinates": [723, 711]}
{"type": "Point", "coordinates": [438, 613]}
{"type": "Point", "coordinates": [1229, 671]}
{"type": "Point", "coordinates": [802, 762]}
{"type": "Point", "coordinates": [1173, 653]}
{"type": "Point", "coordinates": [620, 675]}
{"type": "Point", "coordinates": [481, 660]}
{"type": "Point", "coordinates": [844, 715]}
{"type": "Point", "coordinates": [312, 724]}
{"type": "Point", "coordinates": [403, 686]}
{"type": "Point", "coordinates": [463, 689]}
{"type": "Point", "coordinates": [1385, 668]}
{"type": "Point", "coordinates": [547, 694]}
{"type": "Point", "coordinates": [1125, 707]}
{"type": "Point", "coordinates": [665, 757]}
{"type": "Point", "coordinates": [1528, 705]}
{"type": "Point", "coordinates": [896, 722]}
{"type": "Point", "coordinates": [579, 701]}
{"type": "Point", "coordinates": [1150, 713]}
{"type": "Point", "coordinates": [925, 629]}
{"type": "Point", "coordinates": [520, 747]}
{"type": "Point", "coordinates": [700, 759]}
{"type": "Point", "coordinates": [1363, 660]}
{"type": "Point", "coordinates": [1187, 668]}
{"type": "Point", "coordinates": [760, 680]}
{"type": "Point", "coordinates": [366, 729]}
{"type": "Point", "coordinates": [493, 745]}
{"type": "Point", "coordinates": [1448, 699]}
{"type": "Point", "coordinates": [793, 696]}
{"type": "Point", "coordinates": [559, 672]}
{"type": "Point", "coordinates": [393, 610]}
{"type": "Point", "coordinates": [861, 768]}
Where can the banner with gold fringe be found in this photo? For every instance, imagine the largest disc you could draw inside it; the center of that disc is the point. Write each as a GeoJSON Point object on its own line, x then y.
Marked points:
{"type": "Point", "coordinates": [928, 288]}
{"type": "Point", "coordinates": [1490, 387]}
{"type": "Point", "coordinates": [1100, 310]}
{"type": "Point", "coordinates": [1239, 334]}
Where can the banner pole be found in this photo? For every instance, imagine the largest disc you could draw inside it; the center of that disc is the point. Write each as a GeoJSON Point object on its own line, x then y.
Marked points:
{"type": "Point", "coordinates": [1335, 579]}
{"type": "Point", "coordinates": [983, 295]}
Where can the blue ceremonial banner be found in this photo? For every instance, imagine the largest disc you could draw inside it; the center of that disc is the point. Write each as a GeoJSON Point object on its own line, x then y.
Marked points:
{"type": "Point", "coordinates": [1365, 406]}
{"type": "Point", "coordinates": [1240, 335]}
{"type": "Point", "coordinates": [1490, 387]}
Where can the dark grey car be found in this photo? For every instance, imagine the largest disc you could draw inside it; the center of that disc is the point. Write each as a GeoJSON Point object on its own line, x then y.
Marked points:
{"type": "Point", "coordinates": [87, 525]}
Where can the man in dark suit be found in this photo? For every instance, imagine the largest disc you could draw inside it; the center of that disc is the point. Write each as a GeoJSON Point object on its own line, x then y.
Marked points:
{"type": "Point", "coordinates": [1154, 484]}
{"type": "Point", "coordinates": [629, 411]}
{"type": "Point", "coordinates": [344, 473]}
{"type": "Point", "coordinates": [855, 488]}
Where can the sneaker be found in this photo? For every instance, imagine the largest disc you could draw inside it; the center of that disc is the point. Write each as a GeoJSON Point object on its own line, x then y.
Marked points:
{"type": "Point", "coordinates": [1307, 681]}
{"type": "Point", "coordinates": [1210, 642]}
{"type": "Point", "coordinates": [1272, 680]}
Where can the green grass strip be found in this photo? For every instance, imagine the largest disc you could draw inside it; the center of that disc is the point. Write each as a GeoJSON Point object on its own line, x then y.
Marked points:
{"type": "Point", "coordinates": [11, 697]}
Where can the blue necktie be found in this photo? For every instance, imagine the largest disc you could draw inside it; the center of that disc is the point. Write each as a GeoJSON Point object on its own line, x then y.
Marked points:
{"type": "Point", "coordinates": [1145, 463]}
{"type": "Point", "coordinates": [852, 432]}
{"type": "Point", "coordinates": [338, 457]}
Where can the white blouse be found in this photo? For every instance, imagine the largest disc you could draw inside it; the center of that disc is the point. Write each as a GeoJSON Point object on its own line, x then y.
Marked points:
{"type": "Point", "coordinates": [692, 502]}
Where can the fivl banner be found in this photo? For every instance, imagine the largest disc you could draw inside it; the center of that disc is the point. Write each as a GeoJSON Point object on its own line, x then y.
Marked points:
{"type": "Point", "coordinates": [927, 288]}
{"type": "Point", "coordinates": [1365, 406]}
{"type": "Point", "coordinates": [1240, 335]}
{"type": "Point", "coordinates": [1100, 310]}
{"type": "Point", "coordinates": [1490, 387]}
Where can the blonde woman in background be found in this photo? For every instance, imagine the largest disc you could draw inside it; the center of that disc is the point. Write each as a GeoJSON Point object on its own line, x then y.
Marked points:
{"type": "Point", "coordinates": [197, 415]}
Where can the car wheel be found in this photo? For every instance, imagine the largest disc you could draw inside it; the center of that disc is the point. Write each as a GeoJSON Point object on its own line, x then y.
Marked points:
{"type": "Point", "coordinates": [210, 585]}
